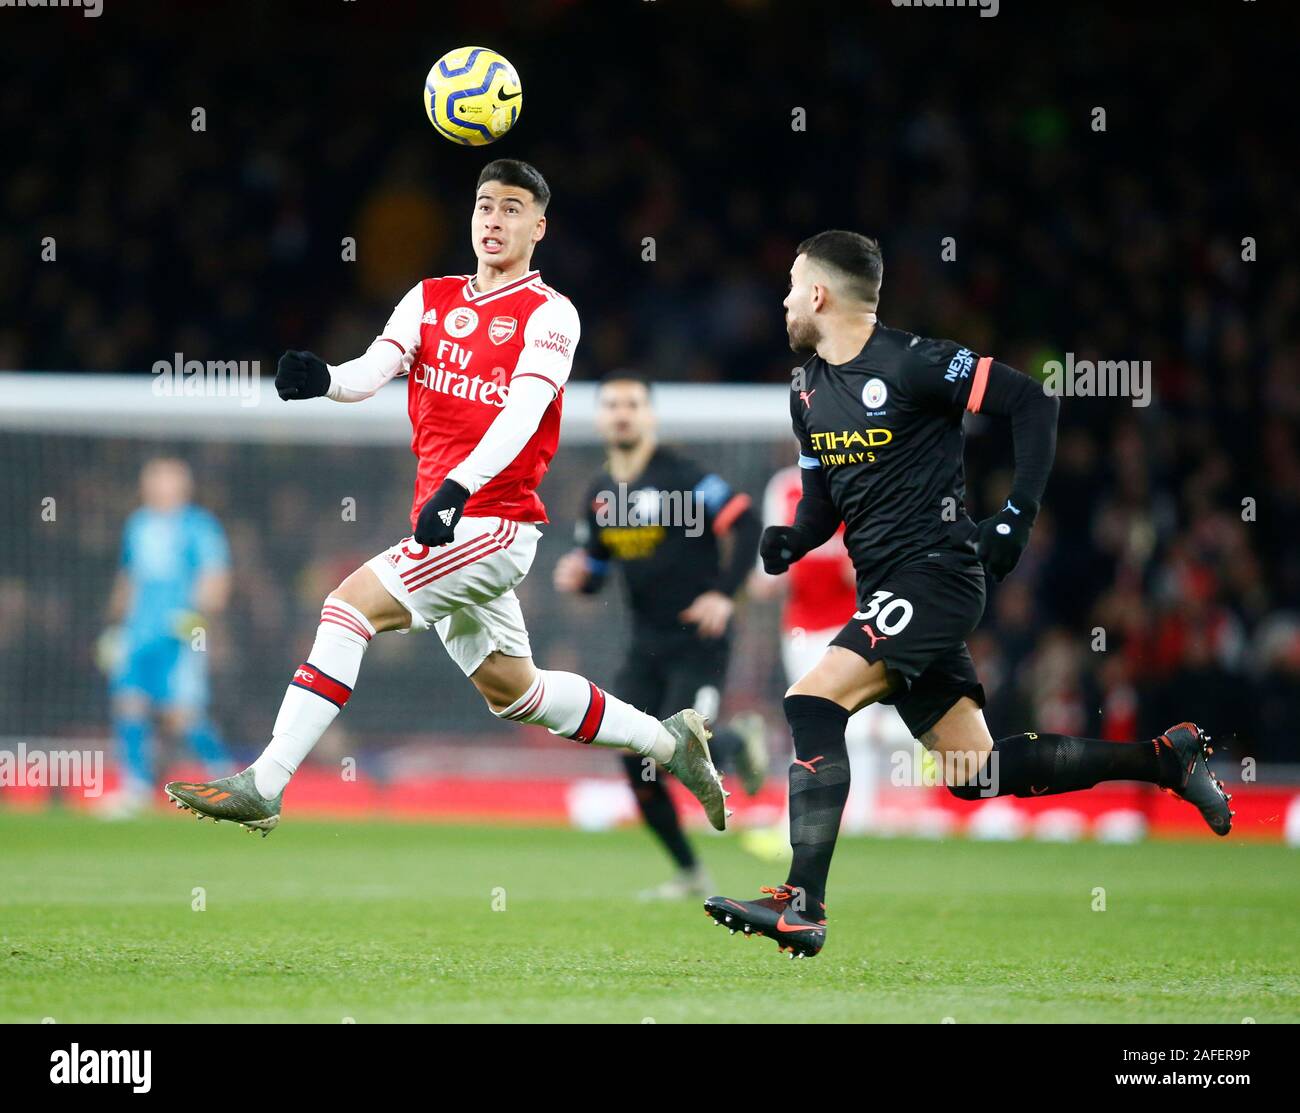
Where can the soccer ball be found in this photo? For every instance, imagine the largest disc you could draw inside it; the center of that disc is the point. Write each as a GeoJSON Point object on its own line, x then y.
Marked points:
{"type": "Point", "coordinates": [472, 95]}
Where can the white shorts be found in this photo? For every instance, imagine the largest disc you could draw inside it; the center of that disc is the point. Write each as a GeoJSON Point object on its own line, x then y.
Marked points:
{"type": "Point", "coordinates": [876, 723]}
{"type": "Point", "coordinates": [801, 649]}
{"type": "Point", "coordinates": [465, 590]}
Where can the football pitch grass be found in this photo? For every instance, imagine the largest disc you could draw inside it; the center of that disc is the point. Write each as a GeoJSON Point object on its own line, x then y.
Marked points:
{"type": "Point", "coordinates": [394, 922]}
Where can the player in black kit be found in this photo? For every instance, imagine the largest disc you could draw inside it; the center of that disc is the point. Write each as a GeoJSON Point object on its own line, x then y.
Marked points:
{"type": "Point", "coordinates": [878, 414]}
{"type": "Point", "coordinates": [686, 542]}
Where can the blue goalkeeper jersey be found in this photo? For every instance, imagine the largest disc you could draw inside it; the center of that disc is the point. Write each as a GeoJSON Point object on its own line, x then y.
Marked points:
{"type": "Point", "coordinates": [164, 555]}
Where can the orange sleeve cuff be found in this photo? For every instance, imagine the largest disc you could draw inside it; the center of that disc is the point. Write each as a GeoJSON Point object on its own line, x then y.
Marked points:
{"type": "Point", "coordinates": [979, 384]}
{"type": "Point", "coordinates": [735, 507]}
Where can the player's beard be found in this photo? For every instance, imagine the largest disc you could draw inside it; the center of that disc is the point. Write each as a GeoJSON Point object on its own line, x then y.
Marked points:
{"type": "Point", "coordinates": [804, 335]}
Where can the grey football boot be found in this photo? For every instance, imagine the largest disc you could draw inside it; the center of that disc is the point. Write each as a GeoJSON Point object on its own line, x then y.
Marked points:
{"type": "Point", "coordinates": [692, 764]}
{"type": "Point", "coordinates": [233, 798]}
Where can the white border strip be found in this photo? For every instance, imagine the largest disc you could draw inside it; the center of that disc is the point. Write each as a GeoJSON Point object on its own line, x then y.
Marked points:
{"type": "Point", "coordinates": [125, 405]}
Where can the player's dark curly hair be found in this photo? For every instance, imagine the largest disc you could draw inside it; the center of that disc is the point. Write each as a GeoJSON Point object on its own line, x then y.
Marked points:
{"type": "Point", "coordinates": [853, 255]}
{"type": "Point", "coordinates": [515, 172]}
{"type": "Point", "coordinates": [627, 375]}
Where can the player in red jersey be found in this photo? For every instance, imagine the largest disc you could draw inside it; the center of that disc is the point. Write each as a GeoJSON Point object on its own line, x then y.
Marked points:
{"type": "Point", "coordinates": [487, 356]}
{"type": "Point", "coordinates": [820, 596]}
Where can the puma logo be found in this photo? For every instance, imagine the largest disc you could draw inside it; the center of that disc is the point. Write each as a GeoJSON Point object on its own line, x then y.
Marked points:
{"type": "Point", "coordinates": [866, 626]}
{"type": "Point", "coordinates": [805, 396]}
{"type": "Point", "coordinates": [809, 764]}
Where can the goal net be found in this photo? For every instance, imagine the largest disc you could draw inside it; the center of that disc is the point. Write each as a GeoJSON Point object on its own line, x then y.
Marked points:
{"type": "Point", "coordinates": [305, 493]}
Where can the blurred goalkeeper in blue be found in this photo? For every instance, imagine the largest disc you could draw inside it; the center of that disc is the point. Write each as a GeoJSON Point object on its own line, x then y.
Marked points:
{"type": "Point", "coordinates": [174, 576]}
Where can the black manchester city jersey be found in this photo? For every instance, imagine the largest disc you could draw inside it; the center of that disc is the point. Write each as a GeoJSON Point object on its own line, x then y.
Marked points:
{"type": "Point", "coordinates": [886, 431]}
{"type": "Point", "coordinates": [663, 528]}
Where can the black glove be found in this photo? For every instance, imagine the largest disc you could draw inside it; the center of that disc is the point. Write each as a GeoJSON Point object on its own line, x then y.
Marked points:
{"type": "Point", "coordinates": [436, 524]}
{"type": "Point", "coordinates": [1001, 539]}
{"type": "Point", "coordinates": [781, 546]}
{"type": "Point", "coordinates": [301, 375]}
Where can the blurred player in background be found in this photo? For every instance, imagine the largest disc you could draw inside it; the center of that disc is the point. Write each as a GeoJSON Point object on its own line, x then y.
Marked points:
{"type": "Point", "coordinates": [820, 596]}
{"type": "Point", "coordinates": [175, 574]}
{"type": "Point", "coordinates": [487, 356]}
{"type": "Point", "coordinates": [685, 548]}
{"type": "Point", "coordinates": [878, 414]}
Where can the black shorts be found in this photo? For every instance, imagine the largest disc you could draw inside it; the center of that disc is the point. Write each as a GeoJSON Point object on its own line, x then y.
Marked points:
{"type": "Point", "coordinates": [917, 620]}
{"type": "Point", "coordinates": [663, 674]}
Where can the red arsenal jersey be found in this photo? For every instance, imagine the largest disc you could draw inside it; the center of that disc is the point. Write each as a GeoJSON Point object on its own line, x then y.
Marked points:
{"type": "Point", "coordinates": [463, 350]}
{"type": "Point", "coordinates": [821, 592]}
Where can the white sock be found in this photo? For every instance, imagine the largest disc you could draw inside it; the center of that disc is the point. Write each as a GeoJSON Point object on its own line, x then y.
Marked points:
{"type": "Point", "coordinates": [572, 706]}
{"type": "Point", "coordinates": [317, 693]}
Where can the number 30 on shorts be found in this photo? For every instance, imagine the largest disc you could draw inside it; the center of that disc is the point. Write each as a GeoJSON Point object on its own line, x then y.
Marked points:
{"type": "Point", "coordinates": [892, 616]}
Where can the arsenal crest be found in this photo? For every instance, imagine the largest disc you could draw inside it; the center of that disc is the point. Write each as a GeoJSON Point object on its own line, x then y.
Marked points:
{"type": "Point", "coordinates": [501, 329]}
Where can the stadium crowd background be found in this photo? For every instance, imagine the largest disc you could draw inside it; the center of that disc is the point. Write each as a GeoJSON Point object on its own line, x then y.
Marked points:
{"type": "Point", "coordinates": [1123, 244]}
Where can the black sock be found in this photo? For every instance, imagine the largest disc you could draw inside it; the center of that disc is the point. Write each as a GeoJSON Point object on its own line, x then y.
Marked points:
{"type": "Point", "coordinates": [1047, 764]}
{"type": "Point", "coordinates": [725, 745]}
{"type": "Point", "coordinates": [658, 810]}
{"type": "Point", "coordinates": [819, 788]}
